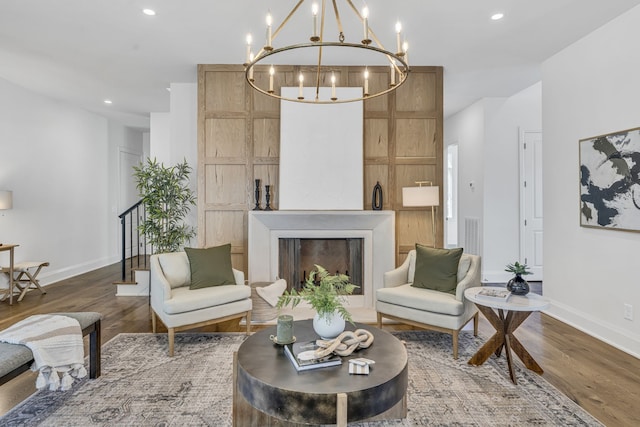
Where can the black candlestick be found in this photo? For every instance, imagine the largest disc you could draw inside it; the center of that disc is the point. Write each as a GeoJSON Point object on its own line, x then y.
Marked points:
{"type": "Point", "coordinates": [257, 207]}
{"type": "Point", "coordinates": [267, 196]}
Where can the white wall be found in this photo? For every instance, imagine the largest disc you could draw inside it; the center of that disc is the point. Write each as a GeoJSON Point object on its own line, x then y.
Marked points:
{"type": "Point", "coordinates": [590, 88]}
{"type": "Point", "coordinates": [487, 134]}
{"type": "Point", "coordinates": [59, 162]}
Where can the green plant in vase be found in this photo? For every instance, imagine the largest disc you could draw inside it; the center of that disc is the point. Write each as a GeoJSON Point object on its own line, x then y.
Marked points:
{"type": "Point", "coordinates": [326, 294]}
{"type": "Point", "coordinates": [517, 285]}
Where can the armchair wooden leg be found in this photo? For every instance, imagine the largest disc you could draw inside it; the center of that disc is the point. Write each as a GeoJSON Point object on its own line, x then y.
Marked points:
{"type": "Point", "coordinates": [248, 319]}
{"type": "Point", "coordinates": [171, 334]}
{"type": "Point", "coordinates": [154, 324]}
{"type": "Point", "coordinates": [379, 320]}
{"type": "Point", "coordinates": [454, 334]}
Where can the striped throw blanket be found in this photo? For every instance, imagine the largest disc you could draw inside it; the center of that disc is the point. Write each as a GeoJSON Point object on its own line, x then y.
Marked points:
{"type": "Point", "coordinates": [57, 347]}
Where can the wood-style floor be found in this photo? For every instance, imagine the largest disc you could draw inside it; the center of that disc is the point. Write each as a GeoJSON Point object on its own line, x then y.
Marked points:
{"type": "Point", "coordinates": [603, 380]}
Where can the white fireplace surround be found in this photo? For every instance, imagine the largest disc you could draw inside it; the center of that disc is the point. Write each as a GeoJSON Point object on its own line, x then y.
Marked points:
{"type": "Point", "coordinates": [377, 228]}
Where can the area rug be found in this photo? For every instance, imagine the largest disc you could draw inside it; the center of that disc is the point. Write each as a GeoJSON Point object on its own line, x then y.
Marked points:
{"type": "Point", "coordinates": [141, 386]}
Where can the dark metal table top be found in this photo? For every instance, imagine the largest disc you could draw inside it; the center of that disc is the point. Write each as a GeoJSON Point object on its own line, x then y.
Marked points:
{"type": "Point", "coordinates": [270, 383]}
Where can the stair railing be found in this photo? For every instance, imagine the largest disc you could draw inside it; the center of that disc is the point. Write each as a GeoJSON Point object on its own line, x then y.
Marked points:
{"type": "Point", "coordinates": [130, 221]}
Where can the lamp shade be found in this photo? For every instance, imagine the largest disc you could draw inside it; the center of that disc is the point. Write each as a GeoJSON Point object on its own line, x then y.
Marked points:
{"type": "Point", "coordinates": [421, 196]}
{"type": "Point", "coordinates": [6, 199]}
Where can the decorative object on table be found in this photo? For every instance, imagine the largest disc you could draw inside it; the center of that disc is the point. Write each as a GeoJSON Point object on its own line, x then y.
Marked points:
{"type": "Point", "coordinates": [376, 197]}
{"type": "Point", "coordinates": [257, 196]}
{"type": "Point", "coordinates": [167, 199]}
{"type": "Point", "coordinates": [303, 356]}
{"type": "Point", "coordinates": [494, 294]}
{"type": "Point", "coordinates": [422, 196]}
{"type": "Point", "coordinates": [326, 295]}
{"type": "Point", "coordinates": [345, 343]}
{"type": "Point", "coordinates": [517, 285]}
{"type": "Point", "coordinates": [360, 366]}
{"type": "Point", "coordinates": [284, 331]}
{"type": "Point", "coordinates": [267, 196]}
{"type": "Point", "coordinates": [609, 181]}
{"type": "Point", "coordinates": [6, 201]}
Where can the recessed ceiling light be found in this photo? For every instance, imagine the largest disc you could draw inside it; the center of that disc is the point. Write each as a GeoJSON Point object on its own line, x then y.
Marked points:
{"type": "Point", "coordinates": [149, 12]}
{"type": "Point", "coordinates": [108, 101]}
{"type": "Point", "coordinates": [497, 16]}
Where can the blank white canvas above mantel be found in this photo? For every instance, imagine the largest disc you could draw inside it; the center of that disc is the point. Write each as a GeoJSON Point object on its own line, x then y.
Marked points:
{"type": "Point", "coordinates": [321, 152]}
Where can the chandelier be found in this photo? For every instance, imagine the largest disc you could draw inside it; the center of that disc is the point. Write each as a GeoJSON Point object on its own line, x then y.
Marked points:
{"type": "Point", "coordinates": [369, 44]}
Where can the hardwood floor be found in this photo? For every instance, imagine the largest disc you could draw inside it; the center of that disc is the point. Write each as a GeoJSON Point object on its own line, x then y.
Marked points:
{"type": "Point", "coordinates": [603, 380]}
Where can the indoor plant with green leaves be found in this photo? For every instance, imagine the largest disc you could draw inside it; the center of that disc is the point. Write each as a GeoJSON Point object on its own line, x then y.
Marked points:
{"type": "Point", "coordinates": [517, 285]}
{"type": "Point", "coordinates": [326, 294]}
{"type": "Point", "coordinates": [167, 199]}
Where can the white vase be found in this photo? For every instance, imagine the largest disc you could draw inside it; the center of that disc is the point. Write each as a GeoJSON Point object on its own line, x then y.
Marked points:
{"type": "Point", "coordinates": [328, 327]}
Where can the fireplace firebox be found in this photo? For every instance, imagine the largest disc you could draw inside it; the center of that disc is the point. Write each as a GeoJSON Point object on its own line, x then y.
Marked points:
{"type": "Point", "coordinates": [298, 257]}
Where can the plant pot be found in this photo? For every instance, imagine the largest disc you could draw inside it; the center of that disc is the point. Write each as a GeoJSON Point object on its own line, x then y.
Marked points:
{"type": "Point", "coordinates": [329, 326]}
{"type": "Point", "coordinates": [518, 286]}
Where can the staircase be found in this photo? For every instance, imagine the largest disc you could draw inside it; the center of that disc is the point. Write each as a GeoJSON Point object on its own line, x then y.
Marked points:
{"type": "Point", "coordinates": [135, 261]}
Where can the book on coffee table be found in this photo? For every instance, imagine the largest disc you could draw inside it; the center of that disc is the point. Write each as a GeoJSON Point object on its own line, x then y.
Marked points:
{"type": "Point", "coordinates": [301, 355]}
{"type": "Point", "coordinates": [494, 294]}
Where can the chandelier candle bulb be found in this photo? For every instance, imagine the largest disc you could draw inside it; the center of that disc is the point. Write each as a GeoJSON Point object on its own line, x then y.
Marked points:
{"type": "Point", "coordinates": [314, 11]}
{"type": "Point", "coordinates": [398, 42]}
{"type": "Point", "coordinates": [249, 41]}
{"type": "Point", "coordinates": [250, 69]}
{"type": "Point", "coordinates": [366, 82]}
{"type": "Point", "coordinates": [301, 80]}
{"type": "Point", "coordinates": [365, 24]}
{"type": "Point", "coordinates": [272, 71]}
{"type": "Point", "coordinates": [333, 87]}
{"type": "Point", "coordinates": [405, 50]}
{"type": "Point", "coordinates": [269, 22]}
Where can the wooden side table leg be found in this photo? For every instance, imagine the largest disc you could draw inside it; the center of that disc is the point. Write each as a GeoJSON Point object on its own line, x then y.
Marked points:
{"type": "Point", "coordinates": [495, 342]}
{"type": "Point", "coordinates": [234, 401]}
{"type": "Point", "coordinates": [524, 355]}
{"type": "Point", "coordinates": [341, 410]}
{"type": "Point", "coordinates": [507, 351]}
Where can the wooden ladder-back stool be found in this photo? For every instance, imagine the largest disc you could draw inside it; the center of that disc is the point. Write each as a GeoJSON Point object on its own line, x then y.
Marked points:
{"type": "Point", "coordinates": [26, 278]}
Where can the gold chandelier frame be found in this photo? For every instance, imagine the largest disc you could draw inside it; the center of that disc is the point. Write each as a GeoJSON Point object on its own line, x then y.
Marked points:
{"type": "Point", "coordinates": [398, 60]}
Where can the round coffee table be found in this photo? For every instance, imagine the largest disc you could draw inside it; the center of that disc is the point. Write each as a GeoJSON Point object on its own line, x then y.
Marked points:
{"type": "Point", "coordinates": [267, 381]}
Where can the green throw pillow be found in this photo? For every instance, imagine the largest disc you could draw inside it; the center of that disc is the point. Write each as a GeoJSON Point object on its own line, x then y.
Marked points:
{"type": "Point", "coordinates": [437, 269]}
{"type": "Point", "coordinates": [210, 266]}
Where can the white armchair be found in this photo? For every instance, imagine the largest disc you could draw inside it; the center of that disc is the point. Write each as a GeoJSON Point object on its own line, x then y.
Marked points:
{"type": "Point", "coordinates": [425, 308]}
{"type": "Point", "coordinates": [180, 308]}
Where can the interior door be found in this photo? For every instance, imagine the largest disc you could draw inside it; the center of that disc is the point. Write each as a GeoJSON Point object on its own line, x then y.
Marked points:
{"type": "Point", "coordinates": [531, 202]}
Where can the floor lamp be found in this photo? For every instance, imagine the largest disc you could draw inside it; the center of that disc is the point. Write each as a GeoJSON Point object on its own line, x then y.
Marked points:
{"type": "Point", "coordinates": [6, 201]}
{"type": "Point", "coordinates": [423, 196]}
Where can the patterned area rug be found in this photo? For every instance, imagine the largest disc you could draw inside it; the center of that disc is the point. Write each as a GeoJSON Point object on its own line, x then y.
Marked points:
{"type": "Point", "coordinates": [141, 386]}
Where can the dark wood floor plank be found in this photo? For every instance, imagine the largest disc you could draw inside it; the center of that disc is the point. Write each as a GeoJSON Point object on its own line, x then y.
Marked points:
{"type": "Point", "coordinates": [603, 380]}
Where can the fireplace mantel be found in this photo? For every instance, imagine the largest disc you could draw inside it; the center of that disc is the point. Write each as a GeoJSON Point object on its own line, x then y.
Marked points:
{"type": "Point", "coordinates": [377, 228]}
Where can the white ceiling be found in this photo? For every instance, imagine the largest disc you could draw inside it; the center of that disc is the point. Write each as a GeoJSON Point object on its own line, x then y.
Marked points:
{"type": "Point", "coordinates": [84, 51]}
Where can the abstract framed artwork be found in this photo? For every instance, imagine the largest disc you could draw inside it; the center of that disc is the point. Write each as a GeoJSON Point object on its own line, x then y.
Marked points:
{"type": "Point", "coordinates": [610, 181]}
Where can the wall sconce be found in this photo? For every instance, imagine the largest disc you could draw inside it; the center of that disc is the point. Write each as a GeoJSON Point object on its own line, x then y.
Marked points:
{"type": "Point", "coordinates": [6, 199]}
{"type": "Point", "coordinates": [423, 197]}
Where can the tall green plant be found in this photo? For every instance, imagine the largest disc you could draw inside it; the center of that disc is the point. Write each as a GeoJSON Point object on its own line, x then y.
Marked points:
{"type": "Point", "coordinates": [167, 199]}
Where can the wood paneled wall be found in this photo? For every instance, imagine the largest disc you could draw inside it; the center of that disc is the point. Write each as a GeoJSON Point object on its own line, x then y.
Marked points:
{"type": "Point", "coordinates": [239, 141]}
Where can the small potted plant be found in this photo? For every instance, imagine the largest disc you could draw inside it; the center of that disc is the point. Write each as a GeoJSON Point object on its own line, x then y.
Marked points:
{"type": "Point", "coordinates": [325, 293]}
{"type": "Point", "coordinates": [517, 285]}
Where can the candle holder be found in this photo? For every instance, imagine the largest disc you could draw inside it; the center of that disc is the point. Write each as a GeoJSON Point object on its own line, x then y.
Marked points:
{"type": "Point", "coordinates": [257, 195]}
{"type": "Point", "coordinates": [267, 196]}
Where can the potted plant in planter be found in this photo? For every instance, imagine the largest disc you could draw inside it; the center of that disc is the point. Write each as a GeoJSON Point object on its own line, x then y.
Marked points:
{"type": "Point", "coordinates": [167, 199]}
{"type": "Point", "coordinates": [325, 293]}
{"type": "Point", "coordinates": [517, 285]}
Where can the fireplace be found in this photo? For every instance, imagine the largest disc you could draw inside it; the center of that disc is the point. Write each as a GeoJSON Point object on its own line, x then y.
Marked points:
{"type": "Point", "coordinates": [376, 230]}
{"type": "Point", "coordinates": [298, 257]}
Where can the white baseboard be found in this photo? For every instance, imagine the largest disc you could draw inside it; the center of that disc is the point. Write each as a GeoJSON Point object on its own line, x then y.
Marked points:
{"type": "Point", "coordinates": [50, 275]}
{"type": "Point", "coordinates": [603, 331]}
